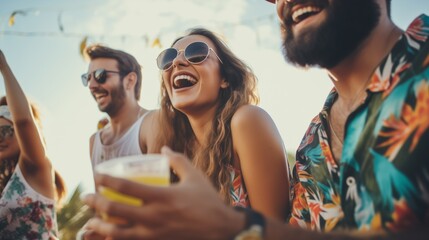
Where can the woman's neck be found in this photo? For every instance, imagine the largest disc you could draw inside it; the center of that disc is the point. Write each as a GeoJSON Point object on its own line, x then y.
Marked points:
{"type": "Point", "coordinates": [202, 123]}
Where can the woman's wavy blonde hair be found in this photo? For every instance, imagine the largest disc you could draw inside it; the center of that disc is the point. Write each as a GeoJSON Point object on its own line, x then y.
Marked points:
{"type": "Point", "coordinates": [215, 157]}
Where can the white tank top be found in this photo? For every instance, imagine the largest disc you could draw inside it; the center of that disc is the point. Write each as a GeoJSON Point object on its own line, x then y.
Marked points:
{"type": "Point", "coordinates": [128, 144]}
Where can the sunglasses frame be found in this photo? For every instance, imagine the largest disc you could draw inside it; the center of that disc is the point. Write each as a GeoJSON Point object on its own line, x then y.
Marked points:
{"type": "Point", "coordinates": [86, 77]}
{"type": "Point", "coordinates": [6, 131]}
{"type": "Point", "coordinates": [184, 52]}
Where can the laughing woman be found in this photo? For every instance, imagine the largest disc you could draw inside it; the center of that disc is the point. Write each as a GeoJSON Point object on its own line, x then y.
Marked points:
{"type": "Point", "coordinates": [29, 187]}
{"type": "Point", "coordinates": [208, 113]}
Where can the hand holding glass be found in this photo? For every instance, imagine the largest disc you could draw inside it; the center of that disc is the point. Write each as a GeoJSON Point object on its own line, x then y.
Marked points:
{"type": "Point", "coordinates": [152, 169]}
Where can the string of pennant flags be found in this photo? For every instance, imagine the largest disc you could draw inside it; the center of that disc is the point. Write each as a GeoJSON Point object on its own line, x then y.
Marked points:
{"type": "Point", "coordinates": [153, 42]}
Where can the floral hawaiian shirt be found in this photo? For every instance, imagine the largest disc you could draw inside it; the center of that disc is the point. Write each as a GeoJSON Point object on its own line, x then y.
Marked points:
{"type": "Point", "coordinates": [382, 179]}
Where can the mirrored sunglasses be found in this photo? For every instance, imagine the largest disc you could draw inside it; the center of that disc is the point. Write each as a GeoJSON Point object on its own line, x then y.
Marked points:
{"type": "Point", "coordinates": [99, 75]}
{"type": "Point", "coordinates": [195, 53]}
{"type": "Point", "coordinates": [6, 131]}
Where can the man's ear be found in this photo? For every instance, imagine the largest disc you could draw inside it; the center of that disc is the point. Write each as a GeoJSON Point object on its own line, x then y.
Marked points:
{"type": "Point", "coordinates": [130, 80]}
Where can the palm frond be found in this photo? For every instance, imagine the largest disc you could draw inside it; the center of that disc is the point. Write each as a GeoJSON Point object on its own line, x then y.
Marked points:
{"type": "Point", "coordinates": [73, 215]}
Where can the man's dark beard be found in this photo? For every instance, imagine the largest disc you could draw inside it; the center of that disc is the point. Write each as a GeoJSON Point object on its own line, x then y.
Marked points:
{"type": "Point", "coordinates": [117, 96]}
{"type": "Point", "coordinates": [348, 23]}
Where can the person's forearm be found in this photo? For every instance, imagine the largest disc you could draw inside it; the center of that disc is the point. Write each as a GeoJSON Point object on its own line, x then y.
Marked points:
{"type": "Point", "coordinates": [17, 101]}
{"type": "Point", "coordinates": [233, 224]}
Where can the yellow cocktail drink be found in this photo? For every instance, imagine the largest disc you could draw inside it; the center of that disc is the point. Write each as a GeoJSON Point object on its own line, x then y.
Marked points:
{"type": "Point", "coordinates": [122, 198]}
{"type": "Point", "coordinates": [151, 169]}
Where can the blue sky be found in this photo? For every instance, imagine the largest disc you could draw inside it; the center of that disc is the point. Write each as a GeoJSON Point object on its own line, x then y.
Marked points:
{"type": "Point", "coordinates": [42, 47]}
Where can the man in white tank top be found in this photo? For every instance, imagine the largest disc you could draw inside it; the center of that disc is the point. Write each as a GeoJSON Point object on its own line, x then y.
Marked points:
{"type": "Point", "coordinates": [114, 79]}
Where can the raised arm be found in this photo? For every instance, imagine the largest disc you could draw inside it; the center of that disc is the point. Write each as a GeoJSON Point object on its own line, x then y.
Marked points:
{"type": "Point", "coordinates": [263, 161]}
{"type": "Point", "coordinates": [32, 155]}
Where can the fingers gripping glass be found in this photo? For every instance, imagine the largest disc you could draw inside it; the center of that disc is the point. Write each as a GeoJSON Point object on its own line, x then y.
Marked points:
{"type": "Point", "coordinates": [100, 76]}
{"type": "Point", "coordinates": [195, 53]}
{"type": "Point", "coordinates": [6, 131]}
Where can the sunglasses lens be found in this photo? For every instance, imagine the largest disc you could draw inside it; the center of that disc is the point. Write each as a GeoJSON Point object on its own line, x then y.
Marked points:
{"type": "Point", "coordinates": [196, 52]}
{"type": "Point", "coordinates": [165, 58]}
{"type": "Point", "coordinates": [6, 131]}
{"type": "Point", "coordinates": [85, 79]}
{"type": "Point", "coordinates": [100, 75]}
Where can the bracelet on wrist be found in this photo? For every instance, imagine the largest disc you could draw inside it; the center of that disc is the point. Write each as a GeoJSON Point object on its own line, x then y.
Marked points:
{"type": "Point", "coordinates": [254, 228]}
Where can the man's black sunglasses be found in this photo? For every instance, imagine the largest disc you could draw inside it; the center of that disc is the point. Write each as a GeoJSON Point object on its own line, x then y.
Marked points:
{"type": "Point", "coordinates": [100, 76]}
